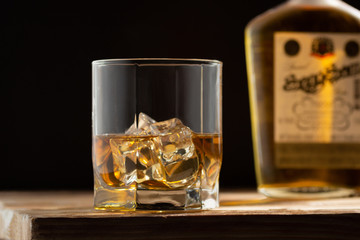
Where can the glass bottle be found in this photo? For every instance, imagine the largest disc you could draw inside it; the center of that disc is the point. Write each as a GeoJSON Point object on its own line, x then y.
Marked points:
{"type": "Point", "coordinates": [303, 66]}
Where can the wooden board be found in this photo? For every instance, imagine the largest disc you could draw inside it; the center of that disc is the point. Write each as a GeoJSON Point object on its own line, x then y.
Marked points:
{"type": "Point", "coordinates": [242, 215]}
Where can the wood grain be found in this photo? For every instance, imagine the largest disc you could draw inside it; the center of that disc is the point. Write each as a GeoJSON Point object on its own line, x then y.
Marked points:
{"type": "Point", "coordinates": [242, 215]}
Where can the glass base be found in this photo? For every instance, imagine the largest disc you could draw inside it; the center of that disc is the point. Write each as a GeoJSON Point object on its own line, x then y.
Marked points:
{"type": "Point", "coordinates": [114, 199]}
{"type": "Point", "coordinates": [306, 192]}
{"type": "Point", "coordinates": [168, 200]}
{"type": "Point", "coordinates": [146, 199]}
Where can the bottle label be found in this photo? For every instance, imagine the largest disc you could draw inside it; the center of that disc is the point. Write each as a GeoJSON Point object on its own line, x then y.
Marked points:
{"type": "Point", "coordinates": [317, 99]}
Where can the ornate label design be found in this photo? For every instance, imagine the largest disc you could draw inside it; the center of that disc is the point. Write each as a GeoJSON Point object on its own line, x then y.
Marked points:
{"type": "Point", "coordinates": [312, 83]}
{"type": "Point", "coordinates": [322, 47]}
{"type": "Point", "coordinates": [316, 87]}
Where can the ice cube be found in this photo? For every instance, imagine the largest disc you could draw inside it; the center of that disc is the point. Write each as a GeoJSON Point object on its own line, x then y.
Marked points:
{"type": "Point", "coordinates": [176, 151]}
{"type": "Point", "coordinates": [150, 171]}
{"type": "Point", "coordinates": [133, 129]}
{"type": "Point", "coordinates": [164, 154]}
{"type": "Point", "coordinates": [141, 127]}
{"type": "Point", "coordinates": [124, 150]}
{"type": "Point", "coordinates": [175, 140]}
{"type": "Point", "coordinates": [145, 123]}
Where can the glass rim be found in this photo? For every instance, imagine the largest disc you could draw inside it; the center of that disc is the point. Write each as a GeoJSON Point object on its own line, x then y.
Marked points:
{"type": "Point", "coordinates": [156, 61]}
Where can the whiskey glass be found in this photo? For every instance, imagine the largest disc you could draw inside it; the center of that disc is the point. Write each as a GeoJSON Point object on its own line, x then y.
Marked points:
{"type": "Point", "coordinates": [157, 133]}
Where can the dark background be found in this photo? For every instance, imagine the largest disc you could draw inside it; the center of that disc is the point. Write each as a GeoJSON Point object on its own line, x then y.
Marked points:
{"type": "Point", "coordinates": [46, 54]}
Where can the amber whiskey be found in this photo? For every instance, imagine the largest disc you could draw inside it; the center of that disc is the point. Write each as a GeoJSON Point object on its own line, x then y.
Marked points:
{"type": "Point", "coordinates": [303, 66]}
{"type": "Point", "coordinates": [140, 162]}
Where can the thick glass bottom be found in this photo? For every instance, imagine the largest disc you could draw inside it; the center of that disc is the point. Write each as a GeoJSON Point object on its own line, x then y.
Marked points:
{"type": "Point", "coordinates": [303, 191]}
{"type": "Point", "coordinates": [168, 200]}
{"type": "Point", "coordinates": [115, 199]}
{"type": "Point", "coordinates": [180, 199]}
